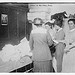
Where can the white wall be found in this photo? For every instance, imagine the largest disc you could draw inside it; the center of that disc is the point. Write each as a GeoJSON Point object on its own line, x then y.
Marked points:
{"type": "Point", "coordinates": [69, 8]}
{"type": "Point", "coordinates": [39, 10]}
{"type": "Point", "coordinates": [49, 9]}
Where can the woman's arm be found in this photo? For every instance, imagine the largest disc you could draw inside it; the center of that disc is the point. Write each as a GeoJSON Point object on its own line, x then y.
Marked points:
{"type": "Point", "coordinates": [49, 39]}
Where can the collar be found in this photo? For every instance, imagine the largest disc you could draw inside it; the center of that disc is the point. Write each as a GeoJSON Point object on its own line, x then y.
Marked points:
{"type": "Point", "coordinates": [55, 31]}
{"type": "Point", "coordinates": [59, 29]}
{"type": "Point", "coordinates": [72, 30]}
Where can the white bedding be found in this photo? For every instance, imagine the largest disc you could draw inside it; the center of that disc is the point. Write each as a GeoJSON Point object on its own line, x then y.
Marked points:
{"type": "Point", "coordinates": [14, 53]}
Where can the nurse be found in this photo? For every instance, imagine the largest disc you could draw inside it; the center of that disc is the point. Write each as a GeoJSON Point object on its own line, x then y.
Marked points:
{"type": "Point", "coordinates": [59, 45]}
{"type": "Point", "coordinates": [68, 65]}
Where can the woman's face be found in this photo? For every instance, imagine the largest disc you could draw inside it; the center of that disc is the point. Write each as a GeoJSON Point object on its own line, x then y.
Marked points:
{"type": "Point", "coordinates": [71, 25]}
{"type": "Point", "coordinates": [47, 26]}
{"type": "Point", "coordinates": [56, 27]}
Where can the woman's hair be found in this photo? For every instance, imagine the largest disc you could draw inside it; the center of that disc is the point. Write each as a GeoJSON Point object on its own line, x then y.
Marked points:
{"type": "Point", "coordinates": [58, 23]}
{"type": "Point", "coordinates": [73, 20]}
{"type": "Point", "coordinates": [38, 21]}
{"type": "Point", "coordinates": [48, 23]}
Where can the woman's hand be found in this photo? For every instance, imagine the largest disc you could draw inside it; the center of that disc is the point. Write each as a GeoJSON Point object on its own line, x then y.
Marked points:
{"type": "Point", "coordinates": [66, 51]}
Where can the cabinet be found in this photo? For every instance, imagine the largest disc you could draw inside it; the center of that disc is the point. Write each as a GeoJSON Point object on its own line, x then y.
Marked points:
{"type": "Point", "coordinates": [15, 30]}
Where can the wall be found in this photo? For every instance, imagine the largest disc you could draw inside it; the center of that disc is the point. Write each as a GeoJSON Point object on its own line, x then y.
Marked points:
{"type": "Point", "coordinates": [15, 30]}
{"type": "Point", "coordinates": [39, 10]}
{"type": "Point", "coordinates": [69, 8]}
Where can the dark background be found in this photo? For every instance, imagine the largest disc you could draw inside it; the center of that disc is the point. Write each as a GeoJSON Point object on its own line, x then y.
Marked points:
{"type": "Point", "coordinates": [15, 30]}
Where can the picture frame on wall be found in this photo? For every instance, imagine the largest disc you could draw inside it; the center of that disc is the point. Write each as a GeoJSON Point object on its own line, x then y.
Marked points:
{"type": "Point", "coordinates": [4, 19]}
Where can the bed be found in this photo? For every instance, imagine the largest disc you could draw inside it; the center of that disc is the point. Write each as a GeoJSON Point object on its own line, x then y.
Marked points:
{"type": "Point", "coordinates": [22, 65]}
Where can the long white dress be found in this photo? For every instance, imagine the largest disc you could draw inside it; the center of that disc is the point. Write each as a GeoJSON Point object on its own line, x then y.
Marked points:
{"type": "Point", "coordinates": [68, 65]}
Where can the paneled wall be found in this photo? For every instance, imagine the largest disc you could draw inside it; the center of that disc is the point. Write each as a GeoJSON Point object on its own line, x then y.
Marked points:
{"type": "Point", "coordinates": [15, 30]}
